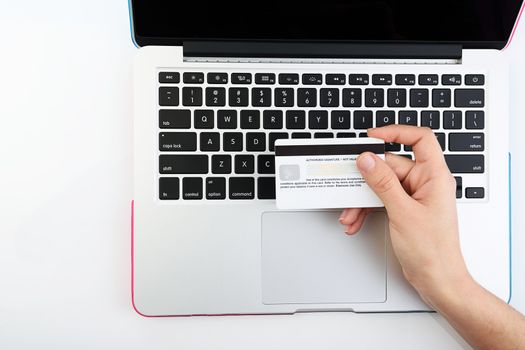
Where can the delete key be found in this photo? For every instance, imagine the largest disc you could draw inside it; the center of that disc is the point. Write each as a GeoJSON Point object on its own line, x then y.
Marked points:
{"type": "Point", "coordinates": [323, 174]}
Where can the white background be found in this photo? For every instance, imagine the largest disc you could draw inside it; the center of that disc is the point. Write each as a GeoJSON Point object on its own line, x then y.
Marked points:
{"type": "Point", "coordinates": [65, 191]}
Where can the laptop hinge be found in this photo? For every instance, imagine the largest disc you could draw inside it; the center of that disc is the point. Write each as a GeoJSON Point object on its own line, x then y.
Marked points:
{"type": "Point", "coordinates": [321, 50]}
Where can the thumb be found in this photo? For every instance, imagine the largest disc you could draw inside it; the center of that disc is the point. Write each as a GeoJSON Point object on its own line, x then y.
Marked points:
{"type": "Point", "coordinates": [383, 181]}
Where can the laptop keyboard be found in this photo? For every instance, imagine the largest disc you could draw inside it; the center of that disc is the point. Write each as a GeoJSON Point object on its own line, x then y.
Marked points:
{"type": "Point", "coordinates": [217, 130]}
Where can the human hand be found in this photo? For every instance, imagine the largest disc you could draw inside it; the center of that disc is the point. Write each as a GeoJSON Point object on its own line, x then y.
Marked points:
{"type": "Point", "coordinates": [419, 197]}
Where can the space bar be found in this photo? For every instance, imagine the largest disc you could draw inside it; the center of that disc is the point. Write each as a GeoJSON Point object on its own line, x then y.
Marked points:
{"type": "Point", "coordinates": [183, 164]}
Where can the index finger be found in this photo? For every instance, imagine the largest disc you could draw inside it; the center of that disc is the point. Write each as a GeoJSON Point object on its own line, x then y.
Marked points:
{"type": "Point", "coordinates": [423, 141]}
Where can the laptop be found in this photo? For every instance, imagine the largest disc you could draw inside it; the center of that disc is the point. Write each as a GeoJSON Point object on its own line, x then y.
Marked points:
{"type": "Point", "coordinates": [217, 82]}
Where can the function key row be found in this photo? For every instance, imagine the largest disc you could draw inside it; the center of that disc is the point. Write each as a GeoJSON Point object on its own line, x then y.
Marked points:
{"type": "Point", "coordinates": [317, 79]}
{"type": "Point", "coordinates": [325, 97]}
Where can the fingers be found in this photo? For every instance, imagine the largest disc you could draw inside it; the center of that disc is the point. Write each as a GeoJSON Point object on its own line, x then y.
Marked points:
{"type": "Point", "coordinates": [348, 216]}
{"type": "Point", "coordinates": [355, 226]}
{"type": "Point", "coordinates": [423, 141]}
{"type": "Point", "coordinates": [383, 181]}
{"type": "Point", "coordinates": [400, 165]}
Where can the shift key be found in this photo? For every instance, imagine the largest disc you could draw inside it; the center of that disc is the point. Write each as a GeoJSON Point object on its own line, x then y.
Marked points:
{"type": "Point", "coordinates": [183, 164]}
{"type": "Point", "coordinates": [467, 164]}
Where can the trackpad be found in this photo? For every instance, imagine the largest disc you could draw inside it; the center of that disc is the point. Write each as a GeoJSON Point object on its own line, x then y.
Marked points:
{"type": "Point", "coordinates": [307, 258]}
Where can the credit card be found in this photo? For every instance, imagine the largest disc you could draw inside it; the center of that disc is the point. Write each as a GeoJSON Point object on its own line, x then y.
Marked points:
{"type": "Point", "coordinates": [323, 174]}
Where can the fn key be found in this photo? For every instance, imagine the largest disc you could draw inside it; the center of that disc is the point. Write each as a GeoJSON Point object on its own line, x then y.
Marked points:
{"type": "Point", "coordinates": [169, 188]}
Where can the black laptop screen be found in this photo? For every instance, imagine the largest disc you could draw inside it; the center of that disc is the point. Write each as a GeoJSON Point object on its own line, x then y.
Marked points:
{"type": "Point", "coordinates": [475, 23]}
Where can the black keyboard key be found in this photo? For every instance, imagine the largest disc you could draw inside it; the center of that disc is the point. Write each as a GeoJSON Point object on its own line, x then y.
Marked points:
{"type": "Point", "coordinates": [441, 98]}
{"type": "Point", "coordinates": [273, 119]}
{"type": "Point", "coordinates": [363, 134]}
{"type": "Point", "coordinates": [250, 119]}
{"type": "Point", "coordinates": [192, 96]}
{"type": "Point", "coordinates": [174, 119]}
{"type": "Point", "coordinates": [397, 98]}
{"type": "Point", "coordinates": [217, 78]}
{"type": "Point", "coordinates": [244, 164]}
{"type": "Point", "coordinates": [469, 98]}
{"type": "Point", "coordinates": [430, 119]}
{"type": "Point", "coordinates": [466, 164]}
{"type": "Point", "coordinates": [385, 118]}
{"type": "Point", "coordinates": [342, 135]}
{"type": "Point", "coordinates": [340, 120]}
{"type": "Point", "coordinates": [459, 186]}
{"type": "Point", "coordinates": [273, 136]}
{"type": "Point", "coordinates": [382, 79]}
{"type": "Point", "coordinates": [255, 141]}
{"type": "Point", "coordinates": [452, 120]}
{"type": "Point", "coordinates": [210, 141]}
{"type": "Point", "coordinates": [284, 97]}
{"type": "Point", "coordinates": [323, 135]}
{"type": "Point", "coordinates": [358, 79]}
{"type": "Point", "coordinates": [475, 192]}
{"type": "Point", "coordinates": [352, 98]}
{"type": "Point", "coordinates": [312, 79]}
{"type": "Point", "coordinates": [192, 188]}
{"type": "Point", "coordinates": [474, 79]}
{"type": "Point", "coordinates": [265, 78]}
{"type": "Point", "coordinates": [441, 140]}
{"type": "Point", "coordinates": [428, 79]}
{"type": "Point", "coordinates": [306, 97]}
{"type": "Point", "coordinates": [169, 78]}
{"type": "Point", "coordinates": [266, 164]}
{"type": "Point", "coordinates": [238, 97]}
{"type": "Point", "coordinates": [216, 97]}
{"type": "Point", "coordinates": [241, 78]}
{"type": "Point", "coordinates": [405, 79]}
{"type": "Point", "coordinates": [465, 142]}
{"type": "Point", "coordinates": [183, 164]}
{"type": "Point", "coordinates": [408, 118]}
{"type": "Point", "coordinates": [221, 164]}
{"type": "Point", "coordinates": [177, 141]}
{"type": "Point", "coordinates": [329, 97]}
{"type": "Point", "coordinates": [266, 187]}
{"type": "Point", "coordinates": [451, 79]}
{"type": "Point", "coordinates": [169, 188]}
{"type": "Point", "coordinates": [261, 97]}
{"type": "Point", "coordinates": [363, 119]}
{"type": "Point", "coordinates": [374, 98]}
{"type": "Point", "coordinates": [232, 141]}
{"type": "Point", "coordinates": [193, 78]}
{"type": "Point", "coordinates": [392, 147]}
{"type": "Point", "coordinates": [215, 188]}
{"type": "Point", "coordinates": [335, 79]}
{"type": "Point", "coordinates": [203, 119]}
{"type": "Point", "coordinates": [227, 119]}
{"type": "Point", "coordinates": [318, 119]}
{"type": "Point", "coordinates": [295, 120]}
{"type": "Point", "coordinates": [288, 79]}
{"type": "Point", "coordinates": [407, 148]}
{"type": "Point", "coordinates": [242, 187]}
{"type": "Point", "coordinates": [475, 120]}
{"type": "Point", "coordinates": [301, 135]}
{"type": "Point", "coordinates": [169, 96]}
{"type": "Point", "coordinates": [418, 97]}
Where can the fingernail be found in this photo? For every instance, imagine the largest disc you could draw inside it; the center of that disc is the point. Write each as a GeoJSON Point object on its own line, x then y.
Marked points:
{"type": "Point", "coordinates": [343, 214]}
{"type": "Point", "coordinates": [366, 162]}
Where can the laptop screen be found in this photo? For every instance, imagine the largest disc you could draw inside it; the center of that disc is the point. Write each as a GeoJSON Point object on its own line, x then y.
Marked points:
{"type": "Point", "coordinates": [474, 23]}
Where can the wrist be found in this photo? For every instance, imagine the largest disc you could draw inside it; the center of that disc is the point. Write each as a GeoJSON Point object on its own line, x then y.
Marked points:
{"type": "Point", "coordinates": [450, 293]}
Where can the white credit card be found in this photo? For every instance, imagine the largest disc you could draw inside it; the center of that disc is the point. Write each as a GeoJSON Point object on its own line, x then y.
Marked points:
{"type": "Point", "coordinates": [322, 173]}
